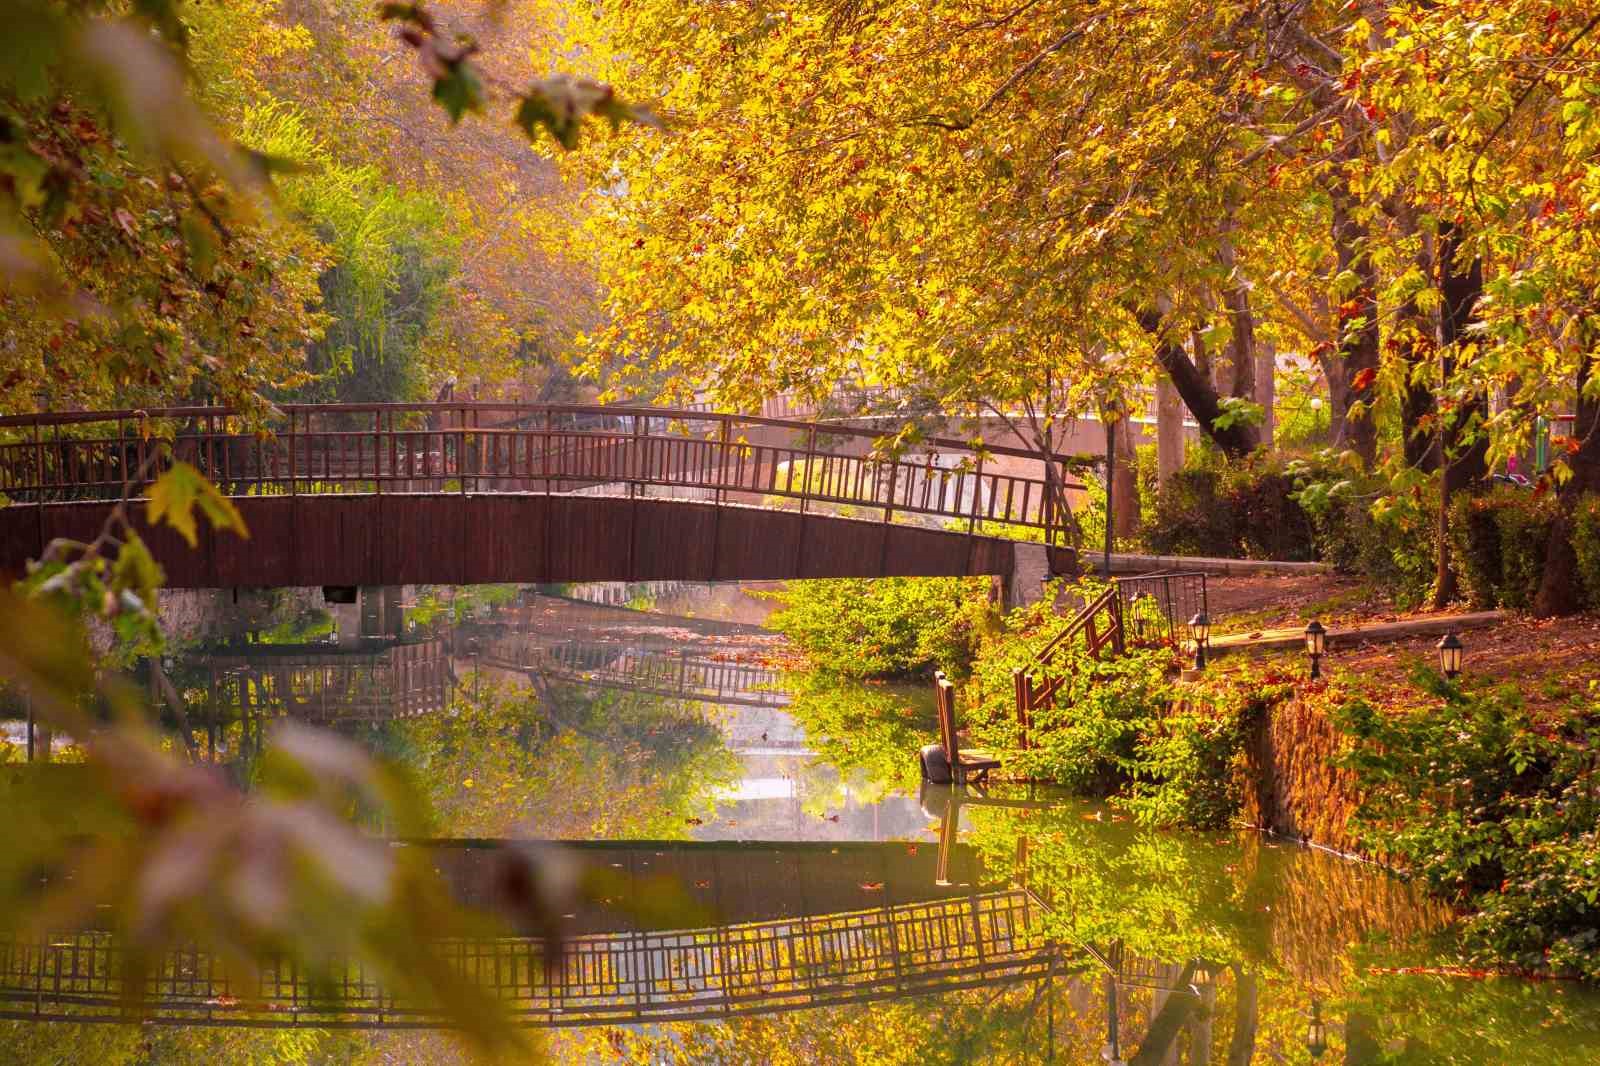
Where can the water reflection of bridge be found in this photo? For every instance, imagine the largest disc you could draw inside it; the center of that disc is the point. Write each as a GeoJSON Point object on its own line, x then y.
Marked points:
{"type": "Point", "coordinates": [663, 671]}
{"type": "Point", "coordinates": [324, 683]}
{"type": "Point", "coordinates": [798, 926]}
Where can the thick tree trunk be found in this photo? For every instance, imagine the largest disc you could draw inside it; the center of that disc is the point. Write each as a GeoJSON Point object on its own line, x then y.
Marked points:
{"type": "Point", "coordinates": [1419, 437]}
{"type": "Point", "coordinates": [1169, 431]}
{"type": "Point", "coordinates": [1242, 1045]}
{"type": "Point", "coordinates": [1416, 337]}
{"type": "Point", "coordinates": [1241, 323]}
{"type": "Point", "coordinates": [1266, 391]}
{"type": "Point", "coordinates": [1558, 589]}
{"type": "Point", "coordinates": [1169, 1020]}
{"type": "Point", "coordinates": [1464, 465]}
{"type": "Point", "coordinates": [1358, 326]}
{"type": "Point", "coordinates": [1197, 390]}
{"type": "Point", "coordinates": [1125, 491]}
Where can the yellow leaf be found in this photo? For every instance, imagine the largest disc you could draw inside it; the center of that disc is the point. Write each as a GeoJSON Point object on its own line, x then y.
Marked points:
{"type": "Point", "coordinates": [174, 496]}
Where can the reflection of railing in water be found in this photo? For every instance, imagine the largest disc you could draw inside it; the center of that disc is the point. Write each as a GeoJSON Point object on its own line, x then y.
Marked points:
{"type": "Point", "coordinates": [326, 685]}
{"type": "Point", "coordinates": [658, 672]}
{"type": "Point", "coordinates": [612, 978]}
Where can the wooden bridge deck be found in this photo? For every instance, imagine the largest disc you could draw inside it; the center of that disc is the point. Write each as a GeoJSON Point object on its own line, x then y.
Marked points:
{"type": "Point", "coordinates": [457, 494]}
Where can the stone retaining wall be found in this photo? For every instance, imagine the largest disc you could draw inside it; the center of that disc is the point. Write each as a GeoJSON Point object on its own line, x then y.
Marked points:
{"type": "Point", "coordinates": [1291, 786]}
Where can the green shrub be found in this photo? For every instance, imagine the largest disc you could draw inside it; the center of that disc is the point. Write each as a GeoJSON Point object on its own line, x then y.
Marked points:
{"type": "Point", "coordinates": [1232, 510]}
{"type": "Point", "coordinates": [1475, 549]}
{"type": "Point", "coordinates": [884, 627]}
{"type": "Point", "coordinates": [1586, 543]}
{"type": "Point", "coordinates": [1192, 517]}
{"type": "Point", "coordinates": [1389, 538]}
{"type": "Point", "coordinates": [1525, 523]}
{"type": "Point", "coordinates": [1493, 811]}
{"type": "Point", "coordinates": [1269, 523]}
{"type": "Point", "coordinates": [1499, 540]}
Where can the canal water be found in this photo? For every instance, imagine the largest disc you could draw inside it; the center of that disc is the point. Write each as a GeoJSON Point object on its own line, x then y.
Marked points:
{"type": "Point", "coordinates": [760, 875]}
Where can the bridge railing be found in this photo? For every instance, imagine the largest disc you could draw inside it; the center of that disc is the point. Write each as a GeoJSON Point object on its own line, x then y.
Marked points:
{"type": "Point", "coordinates": [553, 448]}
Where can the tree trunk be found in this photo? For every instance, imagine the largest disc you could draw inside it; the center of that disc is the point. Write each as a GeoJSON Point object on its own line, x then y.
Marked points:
{"type": "Point", "coordinates": [1197, 391]}
{"type": "Point", "coordinates": [1558, 589]}
{"type": "Point", "coordinates": [1466, 466]}
{"type": "Point", "coordinates": [1241, 323]}
{"type": "Point", "coordinates": [1419, 440]}
{"type": "Point", "coordinates": [1358, 325]}
{"type": "Point", "coordinates": [1266, 391]}
{"type": "Point", "coordinates": [1242, 1045]}
{"type": "Point", "coordinates": [1169, 431]}
{"type": "Point", "coordinates": [1416, 336]}
{"type": "Point", "coordinates": [1168, 1022]}
{"type": "Point", "coordinates": [1125, 516]}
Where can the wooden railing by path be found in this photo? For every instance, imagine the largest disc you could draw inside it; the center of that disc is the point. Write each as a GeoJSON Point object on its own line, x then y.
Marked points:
{"type": "Point", "coordinates": [1099, 624]}
{"type": "Point", "coordinates": [316, 449]}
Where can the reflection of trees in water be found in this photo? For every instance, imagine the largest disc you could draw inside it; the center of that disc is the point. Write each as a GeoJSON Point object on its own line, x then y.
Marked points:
{"type": "Point", "coordinates": [560, 761]}
{"type": "Point", "coordinates": [868, 731]}
{"type": "Point", "coordinates": [1230, 898]}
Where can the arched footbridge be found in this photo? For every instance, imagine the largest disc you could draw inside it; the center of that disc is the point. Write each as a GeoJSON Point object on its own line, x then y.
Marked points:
{"type": "Point", "coordinates": [387, 494]}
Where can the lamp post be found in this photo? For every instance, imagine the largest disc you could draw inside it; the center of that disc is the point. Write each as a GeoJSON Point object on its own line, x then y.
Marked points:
{"type": "Point", "coordinates": [1316, 644]}
{"type": "Point", "coordinates": [1200, 630]}
{"type": "Point", "coordinates": [1316, 1032]}
{"type": "Point", "coordinates": [1450, 651]}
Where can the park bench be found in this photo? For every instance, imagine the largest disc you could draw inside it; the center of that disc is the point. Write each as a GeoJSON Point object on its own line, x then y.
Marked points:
{"type": "Point", "coordinates": [945, 762]}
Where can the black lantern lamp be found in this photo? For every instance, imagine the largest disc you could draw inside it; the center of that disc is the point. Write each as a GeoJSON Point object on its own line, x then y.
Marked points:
{"type": "Point", "coordinates": [1200, 630]}
{"type": "Point", "coordinates": [1450, 651]}
{"type": "Point", "coordinates": [1316, 645]}
{"type": "Point", "coordinates": [1316, 1032]}
{"type": "Point", "coordinates": [1138, 607]}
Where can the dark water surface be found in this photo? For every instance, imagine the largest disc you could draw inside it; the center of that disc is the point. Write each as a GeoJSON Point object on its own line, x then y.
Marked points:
{"type": "Point", "coordinates": [773, 885]}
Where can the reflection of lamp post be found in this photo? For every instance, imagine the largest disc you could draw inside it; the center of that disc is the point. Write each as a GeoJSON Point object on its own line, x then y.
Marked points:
{"type": "Point", "coordinates": [1450, 653]}
{"type": "Point", "coordinates": [1316, 1032]}
{"type": "Point", "coordinates": [1200, 630]}
{"type": "Point", "coordinates": [1112, 1052]}
{"type": "Point", "coordinates": [1316, 644]}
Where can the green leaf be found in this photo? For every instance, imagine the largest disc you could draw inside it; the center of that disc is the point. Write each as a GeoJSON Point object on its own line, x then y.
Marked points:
{"type": "Point", "coordinates": [459, 90]}
{"type": "Point", "coordinates": [137, 571]}
{"type": "Point", "coordinates": [174, 496]}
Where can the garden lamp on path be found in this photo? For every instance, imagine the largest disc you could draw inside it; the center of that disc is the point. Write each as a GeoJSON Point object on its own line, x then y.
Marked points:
{"type": "Point", "coordinates": [1316, 1032]}
{"type": "Point", "coordinates": [1450, 652]}
{"type": "Point", "coordinates": [1200, 630]}
{"type": "Point", "coordinates": [1316, 644]}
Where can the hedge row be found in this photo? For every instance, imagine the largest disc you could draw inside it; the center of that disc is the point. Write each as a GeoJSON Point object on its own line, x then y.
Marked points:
{"type": "Point", "coordinates": [1498, 538]}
